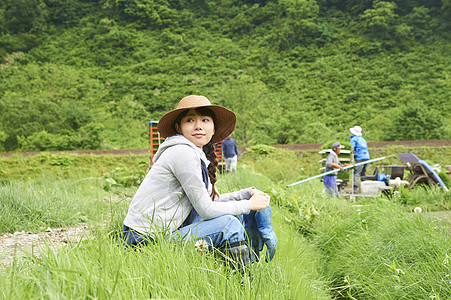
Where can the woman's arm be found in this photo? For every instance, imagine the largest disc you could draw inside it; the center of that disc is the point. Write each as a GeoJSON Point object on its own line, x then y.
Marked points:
{"type": "Point", "coordinates": [184, 163]}
{"type": "Point", "coordinates": [244, 194]}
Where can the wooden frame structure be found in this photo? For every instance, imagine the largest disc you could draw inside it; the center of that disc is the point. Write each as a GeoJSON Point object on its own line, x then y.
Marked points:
{"type": "Point", "coordinates": [156, 139]}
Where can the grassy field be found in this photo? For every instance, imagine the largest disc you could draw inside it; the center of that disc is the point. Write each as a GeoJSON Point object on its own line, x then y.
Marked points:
{"type": "Point", "coordinates": [444, 217]}
{"type": "Point", "coordinates": [101, 268]}
{"type": "Point", "coordinates": [372, 248]}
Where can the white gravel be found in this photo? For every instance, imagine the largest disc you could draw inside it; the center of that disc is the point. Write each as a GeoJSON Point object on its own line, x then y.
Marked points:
{"type": "Point", "coordinates": [23, 243]}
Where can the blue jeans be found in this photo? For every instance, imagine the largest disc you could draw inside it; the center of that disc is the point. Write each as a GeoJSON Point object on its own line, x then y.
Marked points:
{"type": "Point", "coordinates": [330, 181]}
{"type": "Point", "coordinates": [217, 232]}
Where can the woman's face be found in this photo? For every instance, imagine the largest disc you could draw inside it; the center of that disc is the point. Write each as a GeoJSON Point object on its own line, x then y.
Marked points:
{"type": "Point", "coordinates": [196, 128]}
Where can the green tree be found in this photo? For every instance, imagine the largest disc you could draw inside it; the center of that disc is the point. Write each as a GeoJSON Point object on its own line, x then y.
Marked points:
{"type": "Point", "coordinates": [419, 20]}
{"type": "Point", "coordinates": [418, 122]}
{"type": "Point", "coordinates": [354, 7]}
{"type": "Point", "coordinates": [315, 133]}
{"type": "Point", "coordinates": [18, 16]}
{"type": "Point", "coordinates": [43, 141]}
{"type": "Point", "coordinates": [3, 138]}
{"type": "Point", "coordinates": [446, 8]}
{"type": "Point", "coordinates": [381, 19]}
{"type": "Point", "coordinates": [147, 12]}
{"type": "Point", "coordinates": [251, 102]}
{"type": "Point", "coordinates": [295, 21]}
{"type": "Point", "coordinates": [90, 136]}
{"type": "Point", "coordinates": [289, 127]}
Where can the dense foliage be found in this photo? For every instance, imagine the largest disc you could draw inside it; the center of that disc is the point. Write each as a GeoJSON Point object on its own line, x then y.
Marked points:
{"type": "Point", "coordinates": [85, 74]}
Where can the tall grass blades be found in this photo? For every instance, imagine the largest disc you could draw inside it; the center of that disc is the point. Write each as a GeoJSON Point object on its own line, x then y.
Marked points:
{"type": "Point", "coordinates": [32, 206]}
{"type": "Point", "coordinates": [243, 178]}
{"type": "Point", "coordinates": [280, 165]}
{"type": "Point", "coordinates": [102, 268]}
{"type": "Point", "coordinates": [384, 253]}
{"type": "Point", "coordinates": [426, 197]}
{"type": "Point", "coordinates": [368, 248]}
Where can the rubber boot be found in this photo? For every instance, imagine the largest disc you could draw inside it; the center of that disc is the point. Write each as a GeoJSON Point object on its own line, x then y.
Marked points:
{"type": "Point", "coordinates": [263, 219]}
{"type": "Point", "coordinates": [237, 255]}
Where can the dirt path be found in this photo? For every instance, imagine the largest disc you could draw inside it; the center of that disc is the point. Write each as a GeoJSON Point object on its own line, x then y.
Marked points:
{"type": "Point", "coordinates": [432, 143]}
{"type": "Point", "coordinates": [23, 243]}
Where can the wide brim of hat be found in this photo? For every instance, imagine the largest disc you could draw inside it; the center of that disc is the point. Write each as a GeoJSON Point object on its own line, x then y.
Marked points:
{"type": "Point", "coordinates": [224, 126]}
{"type": "Point", "coordinates": [355, 132]}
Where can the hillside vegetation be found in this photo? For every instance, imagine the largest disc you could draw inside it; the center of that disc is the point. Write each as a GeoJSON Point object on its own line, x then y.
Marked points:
{"type": "Point", "coordinates": [85, 74]}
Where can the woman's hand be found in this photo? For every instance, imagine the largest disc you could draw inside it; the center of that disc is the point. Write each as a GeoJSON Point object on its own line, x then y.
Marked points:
{"type": "Point", "coordinates": [259, 200]}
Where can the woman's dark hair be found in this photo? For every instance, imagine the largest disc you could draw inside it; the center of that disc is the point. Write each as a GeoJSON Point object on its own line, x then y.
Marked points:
{"type": "Point", "coordinates": [209, 149]}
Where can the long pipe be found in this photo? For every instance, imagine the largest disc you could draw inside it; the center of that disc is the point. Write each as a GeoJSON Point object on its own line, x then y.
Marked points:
{"type": "Point", "coordinates": [337, 170]}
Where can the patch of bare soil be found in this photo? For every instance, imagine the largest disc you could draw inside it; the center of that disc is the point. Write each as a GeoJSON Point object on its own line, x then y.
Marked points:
{"type": "Point", "coordinates": [23, 243]}
{"type": "Point", "coordinates": [299, 147]}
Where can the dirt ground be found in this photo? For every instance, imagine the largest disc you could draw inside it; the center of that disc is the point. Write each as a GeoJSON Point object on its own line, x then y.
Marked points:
{"type": "Point", "coordinates": [22, 244]}
{"type": "Point", "coordinates": [434, 143]}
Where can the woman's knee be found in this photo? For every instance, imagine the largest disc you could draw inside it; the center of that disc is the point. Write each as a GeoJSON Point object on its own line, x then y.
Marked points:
{"type": "Point", "coordinates": [233, 228]}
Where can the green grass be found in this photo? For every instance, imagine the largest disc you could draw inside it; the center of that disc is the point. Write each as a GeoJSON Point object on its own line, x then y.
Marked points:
{"type": "Point", "coordinates": [384, 253]}
{"type": "Point", "coordinates": [429, 198]}
{"type": "Point", "coordinates": [372, 248]}
{"type": "Point", "coordinates": [444, 217]}
{"type": "Point", "coordinates": [37, 205]}
{"type": "Point", "coordinates": [100, 268]}
{"type": "Point", "coordinates": [70, 166]}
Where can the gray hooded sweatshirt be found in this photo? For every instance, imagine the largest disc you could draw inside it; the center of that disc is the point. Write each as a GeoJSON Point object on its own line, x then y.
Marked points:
{"type": "Point", "coordinates": [174, 186]}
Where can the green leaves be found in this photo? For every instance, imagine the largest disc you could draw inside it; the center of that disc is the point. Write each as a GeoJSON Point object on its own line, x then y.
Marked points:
{"type": "Point", "coordinates": [92, 74]}
{"type": "Point", "coordinates": [49, 108]}
{"type": "Point", "coordinates": [417, 122]}
{"type": "Point", "coordinates": [89, 136]}
{"type": "Point", "coordinates": [144, 12]}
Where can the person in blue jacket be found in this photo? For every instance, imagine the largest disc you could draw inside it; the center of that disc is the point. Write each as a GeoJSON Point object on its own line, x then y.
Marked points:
{"type": "Point", "coordinates": [230, 153]}
{"type": "Point", "coordinates": [361, 154]}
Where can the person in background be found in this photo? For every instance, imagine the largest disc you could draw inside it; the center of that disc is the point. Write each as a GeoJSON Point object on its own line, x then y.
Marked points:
{"type": "Point", "coordinates": [178, 199]}
{"type": "Point", "coordinates": [230, 153]}
{"type": "Point", "coordinates": [361, 154]}
{"type": "Point", "coordinates": [332, 162]}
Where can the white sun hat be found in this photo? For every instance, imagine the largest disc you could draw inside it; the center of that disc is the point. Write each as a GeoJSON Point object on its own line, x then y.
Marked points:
{"type": "Point", "coordinates": [356, 130]}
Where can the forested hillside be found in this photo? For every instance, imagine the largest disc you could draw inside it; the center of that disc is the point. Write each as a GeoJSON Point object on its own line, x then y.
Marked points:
{"type": "Point", "coordinates": [86, 74]}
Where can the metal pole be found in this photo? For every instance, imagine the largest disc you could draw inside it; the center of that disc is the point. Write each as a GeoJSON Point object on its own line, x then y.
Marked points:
{"type": "Point", "coordinates": [337, 170]}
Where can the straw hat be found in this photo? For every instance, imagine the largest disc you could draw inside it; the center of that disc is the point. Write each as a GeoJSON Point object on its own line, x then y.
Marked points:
{"type": "Point", "coordinates": [356, 130]}
{"type": "Point", "coordinates": [225, 119]}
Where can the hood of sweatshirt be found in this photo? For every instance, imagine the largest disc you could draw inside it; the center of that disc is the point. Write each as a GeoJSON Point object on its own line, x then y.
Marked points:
{"type": "Point", "coordinates": [175, 140]}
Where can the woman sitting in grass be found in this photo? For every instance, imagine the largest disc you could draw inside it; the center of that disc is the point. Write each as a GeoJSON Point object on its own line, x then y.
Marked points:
{"type": "Point", "coordinates": [178, 195]}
